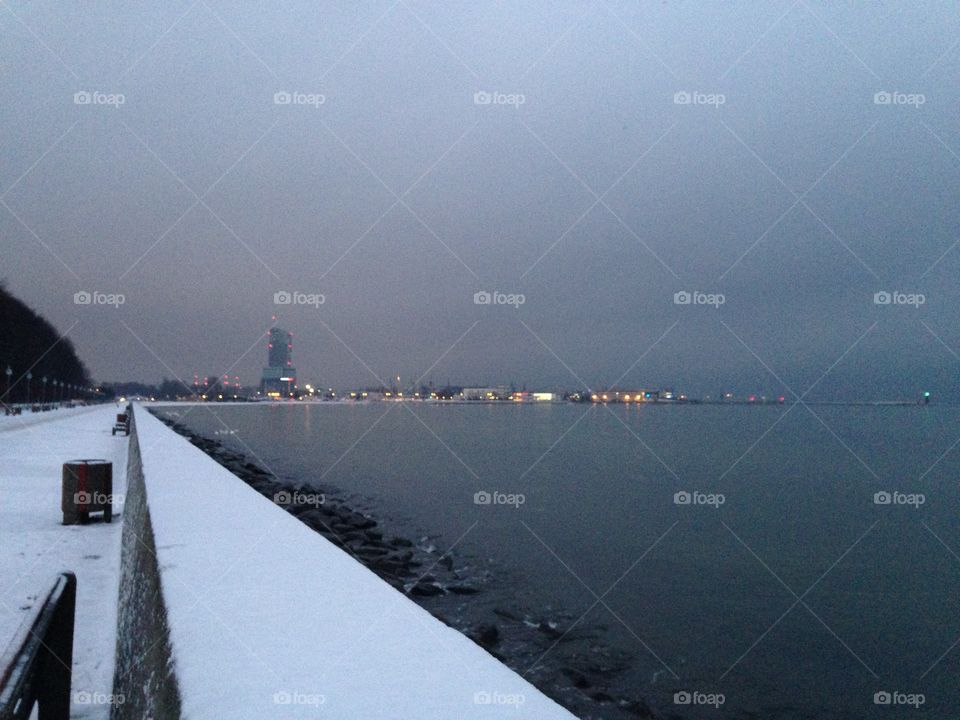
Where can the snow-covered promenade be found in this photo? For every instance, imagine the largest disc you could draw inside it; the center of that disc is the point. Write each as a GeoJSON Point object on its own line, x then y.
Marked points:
{"type": "Point", "coordinates": [228, 606]}
{"type": "Point", "coordinates": [35, 546]}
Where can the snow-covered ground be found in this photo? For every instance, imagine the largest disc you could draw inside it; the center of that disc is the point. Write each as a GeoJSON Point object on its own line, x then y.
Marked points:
{"type": "Point", "coordinates": [270, 620]}
{"type": "Point", "coordinates": [35, 546]}
{"type": "Point", "coordinates": [27, 418]}
{"type": "Point", "coordinates": [267, 619]}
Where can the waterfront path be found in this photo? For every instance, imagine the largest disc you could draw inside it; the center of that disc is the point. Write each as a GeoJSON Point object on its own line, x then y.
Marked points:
{"type": "Point", "coordinates": [251, 613]}
{"type": "Point", "coordinates": [35, 546]}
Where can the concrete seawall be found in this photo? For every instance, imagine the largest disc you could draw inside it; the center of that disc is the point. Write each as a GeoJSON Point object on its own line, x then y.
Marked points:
{"type": "Point", "coordinates": [144, 667]}
{"type": "Point", "coordinates": [231, 608]}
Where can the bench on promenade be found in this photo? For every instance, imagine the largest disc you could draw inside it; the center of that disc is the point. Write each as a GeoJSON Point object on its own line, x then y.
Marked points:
{"type": "Point", "coordinates": [122, 424]}
{"type": "Point", "coordinates": [36, 667]}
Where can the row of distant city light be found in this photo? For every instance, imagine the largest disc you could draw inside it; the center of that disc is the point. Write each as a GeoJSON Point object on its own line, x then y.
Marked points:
{"type": "Point", "coordinates": [668, 395]}
{"type": "Point", "coordinates": [636, 396]}
{"type": "Point", "coordinates": [56, 383]}
{"type": "Point", "coordinates": [489, 395]}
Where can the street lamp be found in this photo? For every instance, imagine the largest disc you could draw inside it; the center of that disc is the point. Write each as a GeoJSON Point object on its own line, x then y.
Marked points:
{"type": "Point", "coordinates": [9, 374]}
{"type": "Point", "coordinates": [43, 390]}
{"type": "Point", "coordinates": [29, 378]}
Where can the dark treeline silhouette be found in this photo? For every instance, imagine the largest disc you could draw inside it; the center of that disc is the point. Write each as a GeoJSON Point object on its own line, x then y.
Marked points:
{"type": "Point", "coordinates": [29, 343]}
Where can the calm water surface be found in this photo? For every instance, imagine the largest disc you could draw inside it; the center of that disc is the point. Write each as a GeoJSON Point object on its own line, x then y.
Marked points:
{"type": "Point", "coordinates": [798, 596]}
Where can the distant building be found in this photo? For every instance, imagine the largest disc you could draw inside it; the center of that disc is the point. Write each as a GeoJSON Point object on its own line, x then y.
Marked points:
{"type": "Point", "coordinates": [485, 393]}
{"type": "Point", "coordinates": [280, 348]}
{"type": "Point", "coordinates": [524, 396]}
{"type": "Point", "coordinates": [279, 378]}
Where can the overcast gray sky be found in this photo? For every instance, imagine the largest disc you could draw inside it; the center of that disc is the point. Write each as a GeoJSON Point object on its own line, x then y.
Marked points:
{"type": "Point", "coordinates": [595, 157]}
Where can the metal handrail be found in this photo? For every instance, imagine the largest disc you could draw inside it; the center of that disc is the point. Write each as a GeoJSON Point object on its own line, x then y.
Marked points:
{"type": "Point", "coordinates": [36, 668]}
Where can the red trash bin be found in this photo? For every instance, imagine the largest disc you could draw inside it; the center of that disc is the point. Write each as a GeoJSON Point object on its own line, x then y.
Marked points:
{"type": "Point", "coordinates": [87, 487]}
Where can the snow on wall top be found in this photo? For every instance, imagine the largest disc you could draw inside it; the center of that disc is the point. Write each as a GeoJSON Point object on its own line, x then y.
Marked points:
{"type": "Point", "coordinates": [270, 620]}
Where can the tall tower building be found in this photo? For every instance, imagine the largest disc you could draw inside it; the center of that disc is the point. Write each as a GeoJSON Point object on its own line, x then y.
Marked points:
{"type": "Point", "coordinates": [279, 377]}
{"type": "Point", "coordinates": [280, 348]}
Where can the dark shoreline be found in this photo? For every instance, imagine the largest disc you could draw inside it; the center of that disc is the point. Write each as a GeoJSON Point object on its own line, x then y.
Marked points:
{"type": "Point", "coordinates": [582, 674]}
